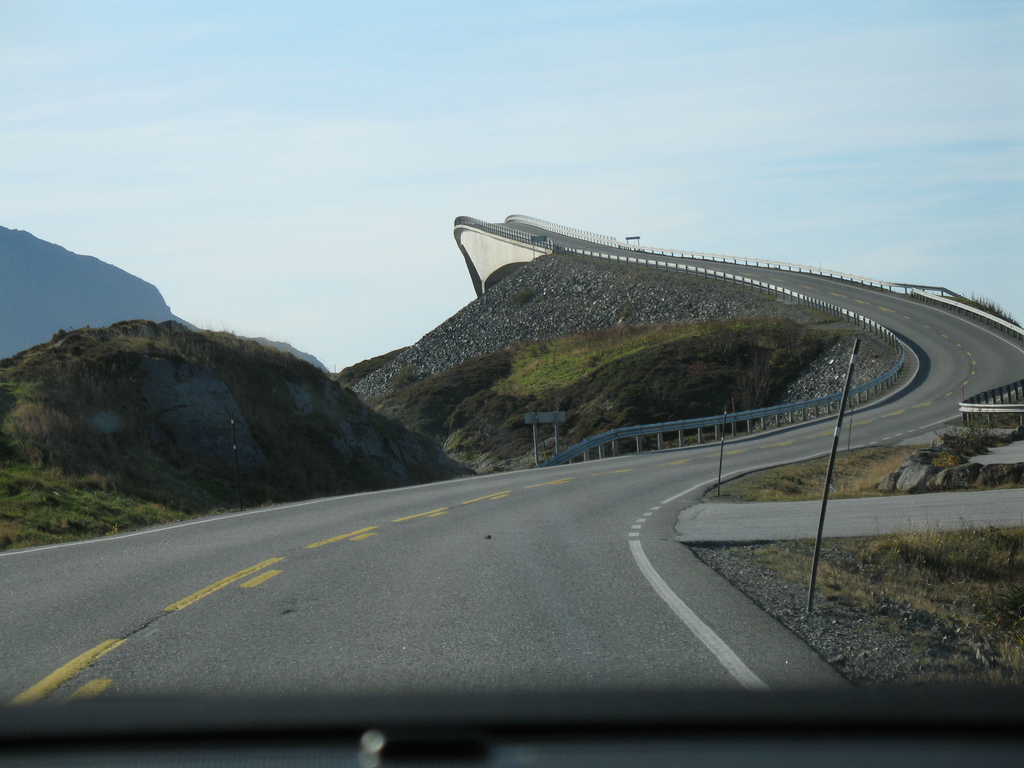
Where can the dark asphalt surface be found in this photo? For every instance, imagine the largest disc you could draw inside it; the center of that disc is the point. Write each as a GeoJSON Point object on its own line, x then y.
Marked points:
{"type": "Point", "coordinates": [520, 581]}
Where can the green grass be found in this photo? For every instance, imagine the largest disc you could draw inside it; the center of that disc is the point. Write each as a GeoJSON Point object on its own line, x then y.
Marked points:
{"type": "Point", "coordinates": [41, 506]}
{"type": "Point", "coordinates": [603, 379]}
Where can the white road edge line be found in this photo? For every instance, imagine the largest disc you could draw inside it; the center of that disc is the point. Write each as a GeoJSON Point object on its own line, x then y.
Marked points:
{"type": "Point", "coordinates": [725, 655]}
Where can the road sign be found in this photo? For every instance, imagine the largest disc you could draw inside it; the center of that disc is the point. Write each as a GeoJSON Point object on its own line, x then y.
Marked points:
{"type": "Point", "coordinates": [546, 417]}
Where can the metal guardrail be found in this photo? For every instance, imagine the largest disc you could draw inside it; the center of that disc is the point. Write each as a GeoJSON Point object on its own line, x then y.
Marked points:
{"type": "Point", "coordinates": [996, 322]}
{"type": "Point", "coordinates": [1008, 398]}
{"type": "Point", "coordinates": [762, 415]}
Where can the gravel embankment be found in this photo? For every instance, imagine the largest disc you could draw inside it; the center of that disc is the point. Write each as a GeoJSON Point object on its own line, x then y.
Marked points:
{"type": "Point", "coordinates": [558, 296]}
{"type": "Point", "coordinates": [851, 640]}
{"type": "Point", "coordinates": [827, 373]}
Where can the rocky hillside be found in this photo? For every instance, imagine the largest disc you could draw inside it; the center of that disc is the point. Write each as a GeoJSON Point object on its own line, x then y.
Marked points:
{"type": "Point", "coordinates": [613, 346]}
{"type": "Point", "coordinates": [146, 409]}
{"type": "Point", "coordinates": [557, 296]}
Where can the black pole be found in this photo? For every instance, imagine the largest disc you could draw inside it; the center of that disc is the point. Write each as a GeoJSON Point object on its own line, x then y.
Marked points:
{"type": "Point", "coordinates": [828, 474]}
{"type": "Point", "coordinates": [238, 480]}
{"type": "Point", "coordinates": [721, 453]}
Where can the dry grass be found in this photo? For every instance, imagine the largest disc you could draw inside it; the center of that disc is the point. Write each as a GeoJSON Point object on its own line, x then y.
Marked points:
{"type": "Point", "coordinates": [856, 475]}
{"type": "Point", "coordinates": [958, 595]}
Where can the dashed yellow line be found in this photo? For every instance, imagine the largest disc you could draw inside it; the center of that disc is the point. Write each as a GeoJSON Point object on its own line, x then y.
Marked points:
{"type": "Point", "coordinates": [733, 453]}
{"type": "Point", "coordinates": [779, 445]}
{"type": "Point", "coordinates": [340, 538]}
{"type": "Point", "coordinates": [431, 513]}
{"type": "Point", "coordinates": [673, 463]}
{"type": "Point", "coordinates": [259, 579]}
{"type": "Point", "coordinates": [58, 677]}
{"type": "Point", "coordinates": [438, 513]}
{"type": "Point", "coordinates": [894, 413]}
{"type": "Point", "coordinates": [90, 689]}
{"type": "Point", "coordinates": [197, 596]}
{"type": "Point", "coordinates": [840, 295]}
{"type": "Point", "coordinates": [921, 405]}
{"type": "Point", "coordinates": [613, 472]}
{"type": "Point", "coordinates": [553, 482]}
{"type": "Point", "coordinates": [499, 495]}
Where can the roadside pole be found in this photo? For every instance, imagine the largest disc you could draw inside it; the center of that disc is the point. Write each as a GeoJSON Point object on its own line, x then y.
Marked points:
{"type": "Point", "coordinates": [721, 452]}
{"type": "Point", "coordinates": [828, 474]}
{"type": "Point", "coordinates": [234, 448]}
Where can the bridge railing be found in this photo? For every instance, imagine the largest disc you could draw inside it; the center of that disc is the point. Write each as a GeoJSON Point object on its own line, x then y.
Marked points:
{"type": "Point", "coordinates": [763, 418]}
{"type": "Point", "coordinates": [567, 231]}
{"type": "Point", "coordinates": [965, 309]}
{"type": "Point", "coordinates": [497, 229]}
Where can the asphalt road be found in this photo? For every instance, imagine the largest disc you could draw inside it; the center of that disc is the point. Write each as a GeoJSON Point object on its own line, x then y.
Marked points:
{"type": "Point", "coordinates": [553, 579]}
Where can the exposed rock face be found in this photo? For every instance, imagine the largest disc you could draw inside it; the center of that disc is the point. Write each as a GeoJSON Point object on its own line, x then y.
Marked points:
{"type": "Point", "coordinates": [558, 296]}
{"type": "Point", "coordinates": [193, 409]}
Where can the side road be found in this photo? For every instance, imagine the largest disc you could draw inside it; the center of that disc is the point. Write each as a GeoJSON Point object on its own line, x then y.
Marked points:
{"type": "Point", "coordinates": [775, 521]}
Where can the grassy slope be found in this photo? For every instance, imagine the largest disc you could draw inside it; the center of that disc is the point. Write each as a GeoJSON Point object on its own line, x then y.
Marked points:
{"type": "Point", "coordinates": [62, 477]}
{"type": "Point", "coordinates": [604, 379]}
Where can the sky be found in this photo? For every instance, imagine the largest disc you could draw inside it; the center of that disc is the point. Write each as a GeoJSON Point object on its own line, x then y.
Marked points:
{"type": "Point", "coordinates": [293, 170]}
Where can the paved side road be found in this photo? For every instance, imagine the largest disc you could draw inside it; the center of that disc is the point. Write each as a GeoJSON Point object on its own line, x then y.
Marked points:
{"type": "Point", "coordinates": [772, 521]}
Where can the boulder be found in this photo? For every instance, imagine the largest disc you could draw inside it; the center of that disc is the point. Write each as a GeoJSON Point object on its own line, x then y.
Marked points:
{"type": "Point", "coordinates": [951, 478]}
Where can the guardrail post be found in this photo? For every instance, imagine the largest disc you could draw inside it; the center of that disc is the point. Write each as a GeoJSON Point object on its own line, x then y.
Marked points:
{"type": "Point", "coordinates": [661, 444]}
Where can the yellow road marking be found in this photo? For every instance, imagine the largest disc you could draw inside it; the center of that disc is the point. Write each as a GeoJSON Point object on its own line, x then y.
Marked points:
{"type": "Point", "coordinates": [928, 326]}
{"type": "Point", "coordinates": [431, 513]}
{"type": "Point", "coordinates": [733, 453]}
{"type": "Point", "coordinates": [613, 472]}
{"type": "Point", "coordinates": [948, 394]}
{"type": "Point", "coordinates": [364, 536]}
{"type": "Point", "coordinates": [90, 689]}
{"type": "Point", "coordinates": [945, 336]}
{"type": "Point", "coordinates": [339, 538]}
{"type": "Point", "coordinates": [439, 512]}
{"type": "Point", "coordinates": [58, 677]}
{"type": "Point", "coordinates": [259, 579]}
{"type": "Point", "coordinates": [886, 309]}
{"type": "Point", "coordinates": [906, 317]}
{"type": "Point", "coordinates": [960, 345]}
{"type": "Point", "coordinates": [862, 423]}
{"type": "Point", "coordinates": [673, 463]}
{"type": "Point", "coordinates": [779, 445]}
{"type": "Point", "coordinates": [809, 288]}
{"type": "Point", "coordinates": [553, 482]}
{"type": "Point", "coordinates": [822, 434]}
{"type": "Point", "coordinates": [197, 596]}
{"type": "Point", "coordinates": [840, 295]}
{"type": "Point", "coordinates": [894, 413]}
{"type": "Point", "coordinates": [921, 405]}
{"type": "Point", "coordinates": [499, 495]}
{"type": "Point", "coordinates": [862, 302]}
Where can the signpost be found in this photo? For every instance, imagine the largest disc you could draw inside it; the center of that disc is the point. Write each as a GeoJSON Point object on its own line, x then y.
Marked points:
{"type": "Point", "coordinates": [828, 473]}
{"type": "Point", "coordinates": [544, 417]}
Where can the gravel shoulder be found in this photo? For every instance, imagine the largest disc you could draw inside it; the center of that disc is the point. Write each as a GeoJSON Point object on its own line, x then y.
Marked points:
{"type": "Point", "coordinates": [896, 645]}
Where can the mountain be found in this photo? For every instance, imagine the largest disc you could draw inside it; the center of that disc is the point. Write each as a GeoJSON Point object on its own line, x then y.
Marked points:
{"type": "Point", "coordinates": [45, 288]}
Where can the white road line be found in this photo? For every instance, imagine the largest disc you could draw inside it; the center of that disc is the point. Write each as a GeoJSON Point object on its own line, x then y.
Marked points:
{"type": "Point", "coordinates": [634, 533]}
{"type": "Point", "coordinates": [636, 527]}
{"type": "Point", "coordinates": [725, 655]}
